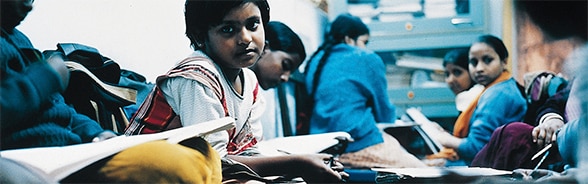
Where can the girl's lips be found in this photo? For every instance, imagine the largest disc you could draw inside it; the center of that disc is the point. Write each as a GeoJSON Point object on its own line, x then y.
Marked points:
{"type": "Point", "coordinates": [481, 79]}
{"type": "Point", "coordinates": [247, 54]}
{"type": "Point", "coordinates": [453, 88]}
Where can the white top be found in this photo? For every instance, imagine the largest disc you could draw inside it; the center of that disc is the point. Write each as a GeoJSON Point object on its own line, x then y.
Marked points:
{"type": "Point", "coordinates": [465, 98]}
{"type": "Point", "coordinates": [186, 96]}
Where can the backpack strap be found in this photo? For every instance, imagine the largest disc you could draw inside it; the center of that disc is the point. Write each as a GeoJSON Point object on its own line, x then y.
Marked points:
{"type": "Point", "coordinates": [125, 96]}
{"type": "Point", "coordinates": [100, 101]}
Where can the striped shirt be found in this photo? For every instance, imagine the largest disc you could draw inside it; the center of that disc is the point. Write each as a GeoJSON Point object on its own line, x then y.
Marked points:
{"type": "Point", "coordinates": [195, 91]}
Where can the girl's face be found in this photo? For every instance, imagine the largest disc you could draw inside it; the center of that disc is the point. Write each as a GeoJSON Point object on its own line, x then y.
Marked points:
{"type": "Point", "coordinates": [239, 40]}
{"type": "Point", "coordinates": [457, 78]}
{"type": "Point", "coordinates": [275, 67]}
{"type": "Point", "coordinates": [485, 64]}
{"type": "Point", "coordinates": [360, 42]}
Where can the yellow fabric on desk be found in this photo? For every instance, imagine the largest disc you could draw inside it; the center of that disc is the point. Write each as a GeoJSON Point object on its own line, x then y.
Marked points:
{"type": "Point", "coordinates": [163, 162]}
{"type": "Point", "coordinates": [462, 124]}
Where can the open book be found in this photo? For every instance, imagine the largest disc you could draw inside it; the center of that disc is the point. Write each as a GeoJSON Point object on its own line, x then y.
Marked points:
{"type": "Point", "coordinates": [59, 162]}
{"type": "Point", "coordinates": [303, 144]}
{"type": "Point", "coordinates": [427, 129]}
{"type": "Point", "coordinates": [436, 172]}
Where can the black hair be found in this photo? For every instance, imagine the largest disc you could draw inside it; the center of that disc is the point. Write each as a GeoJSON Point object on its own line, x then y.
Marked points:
{"type": "Point", "coordinates": [496, 44]}
{"type": "Point", "coordinates": [201, 15]}
{"type": "Point", "coordinates": [281, 37]}
{"type": "Point", "coordinates": [344, 25]}
{"type": "Point", "coordinates": [13, 13]}
{"type": "Point", "coordinates": [458, 57]}
{"type": "Point", "coordinates": [558, 19]}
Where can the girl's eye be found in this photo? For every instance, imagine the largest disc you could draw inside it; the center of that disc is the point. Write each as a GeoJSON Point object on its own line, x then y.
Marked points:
{"type": "Point", "coordinates": [487, 60]}
{"type": "Point", "coordinates": [286, 65]}
{"type": "Point", "coordinates": [253, 24]}
{"type": "Point", "coordinates": [473, 61]}
{"type": "Point", "coordinates": [227, 29]}
{"type": "Point", "coordinates": [457, 73]}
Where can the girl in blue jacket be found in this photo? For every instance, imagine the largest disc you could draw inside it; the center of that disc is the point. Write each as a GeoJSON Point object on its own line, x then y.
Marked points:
{"type": "Point", "coordinates": [349, 90]}
{"type": "Point", "coordinates": [501, 102]}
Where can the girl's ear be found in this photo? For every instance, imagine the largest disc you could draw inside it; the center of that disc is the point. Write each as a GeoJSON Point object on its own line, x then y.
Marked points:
{"type": "Point", "coordinates": [349, 41]}
{"type": "Point", "coordinates": [504, 64]}
{"type": "Point", "coordinates": [266, 48]}
{"type": "Point", "coordinates": [200, 40]}
{"type": "Point", "coordinates": [266, 45]}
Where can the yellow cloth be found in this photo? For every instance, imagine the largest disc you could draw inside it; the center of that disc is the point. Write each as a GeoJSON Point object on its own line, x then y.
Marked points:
{"type": "Point", "coordinates": [461, 127]}
{"type": "Point", "coordinates": [162, 162]}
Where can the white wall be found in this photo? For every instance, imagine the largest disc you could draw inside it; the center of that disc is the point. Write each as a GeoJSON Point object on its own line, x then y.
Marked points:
{"type": "Point", "coordinates": [304, 19]}
{"type": "Point", "coordinates": [146, 36]}
{"type": "Point", "coordinates": [141, 35]}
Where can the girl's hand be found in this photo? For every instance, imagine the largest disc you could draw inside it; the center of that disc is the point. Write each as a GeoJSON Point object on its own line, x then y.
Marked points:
{"type": "Point", "coordinates": [103, 136]}
{"type": "Point", "coordinates": [544, 134]}
{"type": "Point", "coordinates": [321, 168]}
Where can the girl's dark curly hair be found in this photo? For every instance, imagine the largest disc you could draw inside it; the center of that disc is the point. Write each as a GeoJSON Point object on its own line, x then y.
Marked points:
{"type": "Point", "coordinates": [201, 15]}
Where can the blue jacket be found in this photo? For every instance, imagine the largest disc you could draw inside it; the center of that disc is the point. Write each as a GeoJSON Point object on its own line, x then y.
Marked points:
{"type": "Point", "coordinates": [33, 112]}
{"type": "Point", "coordinates": [351, 95]}
{"type": "Point", "coordinates": [500, 104]}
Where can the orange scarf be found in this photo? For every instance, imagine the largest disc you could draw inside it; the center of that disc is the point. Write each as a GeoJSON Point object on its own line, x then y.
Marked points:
{"type": "Point", "coordinates": [461, 128]}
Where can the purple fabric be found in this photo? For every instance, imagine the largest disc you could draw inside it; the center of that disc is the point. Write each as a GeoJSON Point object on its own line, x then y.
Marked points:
{"type": "Point", "coordinates": [511, 147]}
{"type": "Point", "coordinates": [536, 90]}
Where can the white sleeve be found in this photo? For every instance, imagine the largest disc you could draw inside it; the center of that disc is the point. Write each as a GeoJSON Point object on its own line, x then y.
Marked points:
{"type": "Point", "coordinates": [196, 103]}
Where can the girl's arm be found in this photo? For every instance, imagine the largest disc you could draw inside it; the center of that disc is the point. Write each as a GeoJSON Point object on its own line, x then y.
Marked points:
{"type": "Point", "coordinates": [313, 168]}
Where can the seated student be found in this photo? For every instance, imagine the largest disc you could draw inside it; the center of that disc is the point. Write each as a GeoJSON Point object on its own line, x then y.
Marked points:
{"type": "Point", "coordinates": [214, 82]}
{"type": "Point", "coordinates": [566, 21]}
{"type": "Point", "coordinates": [283, 54]}
{"type": "Point", "coordinates": [34, 113]}
{"type": "Point", "coordinates": [559, 119]}
{"type": "Point", "coordinates": [501, 102]}
{"type": "Point", "coordinates": [513, 145]}
{"type": "Point", "coordinates": [458, 78]}
{"type": "Point", "coordinates": [348, 86]}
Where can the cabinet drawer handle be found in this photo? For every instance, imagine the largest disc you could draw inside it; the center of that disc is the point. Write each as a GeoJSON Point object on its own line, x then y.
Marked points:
{"type": "Point", "coordinates": [458, 21]}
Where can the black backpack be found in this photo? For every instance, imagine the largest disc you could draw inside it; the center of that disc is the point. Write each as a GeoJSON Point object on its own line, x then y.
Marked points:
{"type": "Point", "coordinates": [94, 88]}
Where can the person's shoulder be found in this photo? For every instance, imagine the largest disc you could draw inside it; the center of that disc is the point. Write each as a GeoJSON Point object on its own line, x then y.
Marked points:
{"type": "Point", "coordinates": [194, 66]}
{"type": "Point", "coordinates": [354, 49]}
{"type": "Point", "coordinates": [503, 90]}
{"type": "Point", "coordinates": [362, 53]}
{"type": "Point", "coordinates": [18, 38]}
{"type": "Point", "coordinates": [495, 89]}
{"type": "Point", "coordinates": [509, 83]}
{"type": "Point", "coordinates": [370, 57]}
{"type": "Point", "coordinates": [200, 61]}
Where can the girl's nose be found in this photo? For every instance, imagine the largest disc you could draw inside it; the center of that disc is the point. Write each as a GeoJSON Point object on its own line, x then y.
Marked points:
{"type": "Point", "coordinates": [479, 68]}
{"type": "Point", "coordinates": [245, 37]}
{"type": "Point", "coordinates": [285, 77]}
{"type": "Point", "coordinates": [449, 79]}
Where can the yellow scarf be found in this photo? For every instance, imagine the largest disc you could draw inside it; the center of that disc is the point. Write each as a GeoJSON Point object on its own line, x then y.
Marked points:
{"type": "Point", "coordinates": [461, 128]}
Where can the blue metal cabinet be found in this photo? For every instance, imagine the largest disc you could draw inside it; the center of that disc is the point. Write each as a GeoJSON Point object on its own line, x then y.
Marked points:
{"type": "Point", "coordinates": [419, 32]}
{"type": "Point", "coordinates": [433, 102]}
